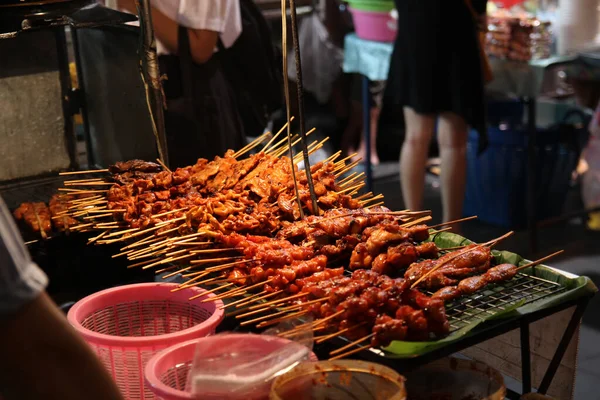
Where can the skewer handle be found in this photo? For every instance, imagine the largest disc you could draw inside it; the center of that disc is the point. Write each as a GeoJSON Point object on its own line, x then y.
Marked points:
{"type": "Point", "coordinates": [540, 261]}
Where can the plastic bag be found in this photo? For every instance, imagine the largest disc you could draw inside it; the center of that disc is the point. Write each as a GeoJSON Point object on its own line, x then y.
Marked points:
{"type": "Point", "coordinates": [242, 366]}
{"type": "Point", "coordinates": [318, 71]}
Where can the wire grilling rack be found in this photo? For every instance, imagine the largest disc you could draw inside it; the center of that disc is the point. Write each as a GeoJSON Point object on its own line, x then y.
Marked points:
{"type": "Point", "coordinates": [497, 298]}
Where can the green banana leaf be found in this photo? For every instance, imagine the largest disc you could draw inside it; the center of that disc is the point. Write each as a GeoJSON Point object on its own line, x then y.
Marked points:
{"type": "Point", "coordinates": [574, 288]}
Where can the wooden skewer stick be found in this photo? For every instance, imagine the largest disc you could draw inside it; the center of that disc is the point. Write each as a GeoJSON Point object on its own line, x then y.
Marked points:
{"type": "Point", "coordinates": [435, 232]}
{"type": "Point", "coordinates": [364, 196]}
{"type": "Point", "coordinates": [232, 293]}
{"type": "Point", "coordinates": [541, 260]}
{"type": "Point", "coordinates": [211, 260]}
{"type": "Point", "coordinates": [98, 183]}
{"type": "Point", "coordinates": [346, 169]}
{"type": "Point", "coordinates": [358, 350]}
{"type": "Point", "coordinates": [460, 253]}
{"type": "Point", "coordinates": [241, 289]}
{"type": "Point", "coordinates": [456, 221]}
{"type": "Point", "coordinates": [325, 338]}
{"type": "Point", "coordinates": [264, 324]}
{"type": "Point", "coordinates": [208, 251]}
{"type": "Point", "coordinates": [354, 179]}
{"type": "Point", "coordinates": [254, 296]}
{"type": "Point", "coordinates": [357, 186]}
{"type": "Point", "coordinates": [264, 317]}
{"type": "Point", "coordinates": [276, 148]}
{"type": "Point", "coordinates": [283, 128]}
{"type": "Point", "coordinates": [342, 162]}
{"type": "Point", "coordinates": [100, 236]}
{"type": "Point", "coordinates": [79, 191]}
{"type": "Point", "coordinates": [84, 180]}
{"type": "Point", "coordinates": [251, 145]}
{"type": "Point", "coordinates": [378, 197]}
{"type": "Point", "coordinates": [142, 263]}
{"type": "Point", "coordinates": [98, 216]}
{"type": "Point", "coordinates": [375, 205]}
{"type": "Point", "coordinates": [341, 349]}
{"type": "Point", "coordinates": [282, 300]}
{"type": "Point", "coordinates": [89, 171]}
{"type": "Point", "coordinates": [81, 226]}
{"type": "Point", "coordinates": [262, 297]}
{"type": "Point", "coordinates": [416, 222]}
{"type": "Point", "coordinates": [352, 175]}
{"type": "Point", "coordinates": [332, 157]}
{"type": "Point", "coordinates": [314, 324]}
{"type": "Point", "coordinates": [123, 232]}
{"type": "Point", "coordinates": [162, 164]}
{"type": "Point", "coordinates": [210, 291]}
{"type": "Point", "coordinates": [219, 267]}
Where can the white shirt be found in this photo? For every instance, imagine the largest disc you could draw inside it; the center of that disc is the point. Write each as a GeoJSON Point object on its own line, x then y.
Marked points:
{"type": "Point", "coordinates": [223, 16]}
{"type": "Point", "coordinates": [21, 281]}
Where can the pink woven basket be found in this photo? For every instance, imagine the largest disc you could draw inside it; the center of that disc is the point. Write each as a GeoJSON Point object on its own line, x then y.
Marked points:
{"type": "Point", "coordinates": [127, 325]}
{"type": "Point", "coordinates": [167, 372]}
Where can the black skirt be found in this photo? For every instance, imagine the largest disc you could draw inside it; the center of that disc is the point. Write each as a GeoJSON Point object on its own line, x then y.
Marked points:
{"type": "Point", "coordinates": [436, 64]}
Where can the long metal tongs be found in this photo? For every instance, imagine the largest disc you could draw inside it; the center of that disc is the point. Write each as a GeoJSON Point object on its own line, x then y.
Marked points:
{"type": "Point", "coordinates": [151, 78]}
{"type": "Point", "coordinates": [300, 90]}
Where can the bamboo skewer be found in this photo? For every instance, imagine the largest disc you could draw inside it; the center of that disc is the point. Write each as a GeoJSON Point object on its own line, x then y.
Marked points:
{"type": "Point", "coordinates": [210, 291]}
{"type": "Point", "coordinates": [261, 297]}
{"type": "Point", "coordinates": [358, 350]}
{"type": "Point", "coordinates": [89, 171]}
{"type": "Point", "coordinates": [298, 314]}
{"type": "Point", "coordinates": [162, 164]}
{"type": "Point", "coordinates": [541, 260]}
{"type": "Point", "coordinates": [100, 236]}
{"type": "Point", "coordinates": [239, 301]}
{"type": "Point", "coordinates": [456, 221]}
{"type": "Point", "coordinates": [341, 349]}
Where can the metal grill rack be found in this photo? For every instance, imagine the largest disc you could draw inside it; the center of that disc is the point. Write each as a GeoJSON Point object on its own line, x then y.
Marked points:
{"type": "Point", "coordinates": [497, 298]}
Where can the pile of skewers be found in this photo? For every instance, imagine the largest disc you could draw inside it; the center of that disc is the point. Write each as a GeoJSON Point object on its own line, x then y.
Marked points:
{"type": "Point", "coordinates": [240, 226]}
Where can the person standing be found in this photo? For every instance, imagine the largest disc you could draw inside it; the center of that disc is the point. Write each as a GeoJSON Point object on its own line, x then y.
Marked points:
{"type": "Point", "coordinates": [202, 118]}
{"type": "Point", "coordinates": [42, 356]}
{"type": "Point", "coordinates": [436, 74]}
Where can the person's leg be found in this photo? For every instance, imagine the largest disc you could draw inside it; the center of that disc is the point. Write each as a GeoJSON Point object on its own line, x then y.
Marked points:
{"type": "Point", "coordinates": [452, 139]}
{"type": "Point", "coordinates": [413, 157]}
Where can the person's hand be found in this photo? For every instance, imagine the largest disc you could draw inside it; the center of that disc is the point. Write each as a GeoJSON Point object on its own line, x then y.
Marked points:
{"type": "Point", "coordinates": [127, 5]}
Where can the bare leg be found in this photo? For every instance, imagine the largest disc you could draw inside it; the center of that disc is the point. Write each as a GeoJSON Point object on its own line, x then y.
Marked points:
{"type": "Point", "coordinates": [452, 138]}
{"type": "Point", "coordinates": [413, 157]}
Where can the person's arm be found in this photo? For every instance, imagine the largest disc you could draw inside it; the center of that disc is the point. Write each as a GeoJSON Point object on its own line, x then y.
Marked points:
{"type": "Point", "coordinates": [202, 41]}
{"type": "Point", "coordinates": [43, 357]}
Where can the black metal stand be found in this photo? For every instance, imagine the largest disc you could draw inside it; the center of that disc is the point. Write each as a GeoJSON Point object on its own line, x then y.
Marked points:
{"type": "Point", "coordinates": [366, 105]}
{"type": "Point", "coordinates": [491, 330]}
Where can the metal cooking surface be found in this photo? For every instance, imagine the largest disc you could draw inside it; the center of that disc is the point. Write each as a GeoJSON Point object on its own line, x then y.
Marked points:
{"type": "Point", "coordinates": [497, 298]}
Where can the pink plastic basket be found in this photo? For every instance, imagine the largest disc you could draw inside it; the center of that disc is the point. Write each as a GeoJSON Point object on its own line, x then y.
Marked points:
{"type": "Point", "coordinates": [167, 372]}
{"type": "Point", "coordinates": [127, 325]}
{"type": "Point", "coordinates": [378, 26]}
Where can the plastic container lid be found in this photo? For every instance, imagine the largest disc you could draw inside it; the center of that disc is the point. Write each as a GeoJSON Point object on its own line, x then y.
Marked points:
{"type": "Point", "coordinates": [342, 379]}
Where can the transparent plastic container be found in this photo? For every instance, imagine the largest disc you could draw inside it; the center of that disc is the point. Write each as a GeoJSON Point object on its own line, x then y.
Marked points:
{"type": "Point", "coordinates": [167, 373]}
{"type": "Point", "coordinates": [127, 325]}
